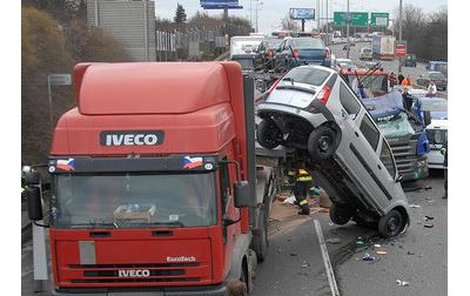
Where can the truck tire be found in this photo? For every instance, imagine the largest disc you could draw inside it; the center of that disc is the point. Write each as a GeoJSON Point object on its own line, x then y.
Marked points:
{"type": "Point", "coordinates": [392, 224]}
{"type": "Point", "coordinates": [260, 239]}
{"type": "Point", "coordinates": [268, 134]}
{"type": "Point", "coordinates": [322, 143]}
{"type": "Point", "coordinates": [339, 215]}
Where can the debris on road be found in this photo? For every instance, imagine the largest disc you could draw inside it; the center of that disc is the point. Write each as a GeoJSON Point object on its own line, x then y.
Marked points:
{"type": "Point", "coordinates": [410, 253]}
{"type": "Point", "coordinates": [305, 265]}
{"type": "Point", "coordinates": [414, 206]}
{"type": "Point", "coordinates": [428, 225]}
{"type": "Point", "coordinates": [333, 240]}
{"type": "Point", "coordinates": [381, 252]}
{"type": "Point", "coordinates": [368, 257]}
{"type": "Point", "coordinates": [402, 283]}
{"type": "Point", "coordinates": [293, 254]}
{"type": "Point", "coordinates": [290, 200]}
{"type": "Point", "coordinates": [428, 187]}
{"type": "Point", "coordinates": [429, 217]}
{"type": "Point", "coordinates": [378, 246]}
{"type": "Point", "coordinates": [360, 242]}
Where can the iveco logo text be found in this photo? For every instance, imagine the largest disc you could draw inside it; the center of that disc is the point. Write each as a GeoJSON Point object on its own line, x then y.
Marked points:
{"type": "Point", "coordinates": [131, 138]}
{"type": "Point", "coordinates": [134, 273]}
{"type": "Point", "coordinates": [181, 259]}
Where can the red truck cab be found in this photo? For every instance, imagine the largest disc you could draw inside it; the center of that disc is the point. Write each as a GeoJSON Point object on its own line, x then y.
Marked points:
{"type": "Point", "coordinates": [153, 182]}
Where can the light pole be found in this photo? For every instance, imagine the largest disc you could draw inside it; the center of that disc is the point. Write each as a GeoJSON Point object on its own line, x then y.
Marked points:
{"type": "Point", "coordinates": [251, 13]}
{"type": "Point", "coordinates": [318, 15]}
{"type": "Point", "coordinates": [348, 19]}
{"type": "Point", "coordinates": [327, 25]}
{"type": "Point", "coordinates": [399, 31]}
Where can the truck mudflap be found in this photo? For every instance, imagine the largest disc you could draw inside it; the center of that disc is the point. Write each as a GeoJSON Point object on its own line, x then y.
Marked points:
{"type": "Point", "coordinates": [218, 290]}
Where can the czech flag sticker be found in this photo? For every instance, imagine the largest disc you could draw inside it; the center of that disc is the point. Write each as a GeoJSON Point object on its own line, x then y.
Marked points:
{"type": "Point", "coordinates": [192, 162]}
{"type": "Point", "coordinates": [67, 165]}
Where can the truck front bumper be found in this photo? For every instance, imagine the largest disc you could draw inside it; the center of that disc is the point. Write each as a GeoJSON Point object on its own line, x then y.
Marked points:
{"type": "Point", "coordinates": [219, 290]}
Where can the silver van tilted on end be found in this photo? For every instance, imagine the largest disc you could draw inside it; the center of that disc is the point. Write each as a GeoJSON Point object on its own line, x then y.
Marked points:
{"type": "Point", "coordinates": [313, 110]}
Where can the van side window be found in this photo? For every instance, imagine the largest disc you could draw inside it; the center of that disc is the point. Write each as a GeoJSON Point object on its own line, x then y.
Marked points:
{"type": "Point", "coordinates": [387, 160]}
{"type": "Point", "coordinates": [370, 132]}
{"type": "Point", "coordinates": [348, 100]}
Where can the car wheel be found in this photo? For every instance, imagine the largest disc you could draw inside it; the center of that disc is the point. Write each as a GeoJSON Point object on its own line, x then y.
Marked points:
{"type": "Point", "coordinates": [339, 215]}
{"type": "Point", "coordinates": [268, 134]}
{"type": "Point", "coordinates": [322, 143]}
{"type": "Point", "coordinates": [392, 224]}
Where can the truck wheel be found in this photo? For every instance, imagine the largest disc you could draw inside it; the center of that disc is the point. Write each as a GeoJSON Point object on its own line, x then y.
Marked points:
{"type": "Point", "coordinates": [322, 143]}
{"type": "Point", "coordinates": [268, 134]}
{"type": "Point", "coordinates": [392, 224]}
{"type": "Point", "coordinates": [260, 240]}
{"type": "Point", "coordinates": [339, 215]}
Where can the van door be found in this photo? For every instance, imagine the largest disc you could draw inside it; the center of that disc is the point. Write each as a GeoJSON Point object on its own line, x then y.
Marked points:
{"type": "Point", "coordinates": [387, 168]}
{"type": "Point", "coordinates": [355, 152]}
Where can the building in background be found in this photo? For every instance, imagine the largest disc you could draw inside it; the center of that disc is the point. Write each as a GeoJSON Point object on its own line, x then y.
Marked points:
{"type": "Point", "coordinates": [131, 23]}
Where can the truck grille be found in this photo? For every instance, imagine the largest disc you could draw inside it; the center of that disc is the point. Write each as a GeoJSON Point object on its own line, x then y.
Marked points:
{"type": "Point", "coordinates": [157, 272]}
{"type": "Point", "coordinates": [405, 156]}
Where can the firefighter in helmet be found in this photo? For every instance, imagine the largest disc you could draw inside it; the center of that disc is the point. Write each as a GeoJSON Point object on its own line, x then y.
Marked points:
{"type": "Point", "coordinates": [302, 183]}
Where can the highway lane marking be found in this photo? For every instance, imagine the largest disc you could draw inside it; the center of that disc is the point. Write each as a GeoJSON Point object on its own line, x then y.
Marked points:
{"type": "Point", "coordinates": [326, 260]}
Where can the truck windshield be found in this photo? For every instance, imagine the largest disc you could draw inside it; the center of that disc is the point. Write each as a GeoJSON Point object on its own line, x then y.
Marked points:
{"type": "Point", "coordinates": [374, 85]}
{"type": "Point", "coordinates": [133, 200]}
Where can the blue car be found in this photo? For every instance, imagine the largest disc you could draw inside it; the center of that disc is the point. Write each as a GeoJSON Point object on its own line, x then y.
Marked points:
{"type": "Point", "coordinates": [294, 52]}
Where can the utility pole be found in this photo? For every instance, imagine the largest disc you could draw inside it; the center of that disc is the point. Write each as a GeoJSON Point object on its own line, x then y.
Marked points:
{"type": "Point", "coordinates": [327, 25]}
{"type": "Point", "coordinates": [400, 31]}
{"type": "Point", "coordinates": [251, 13]}
{"type": "Point", "coordinates": [256, 15]}
{"type": "Point", "coordinates": [318, 15]}
{"type": "Point", "coordinates": [348, 20]}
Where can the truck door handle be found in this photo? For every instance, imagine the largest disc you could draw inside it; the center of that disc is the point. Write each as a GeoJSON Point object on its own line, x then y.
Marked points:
{"type": "Point", "coordinates": [379, 166]}
{"type": "Point", "coordinates": [162, 233]}
{"type": "Point", "coordinates": [356, 133]}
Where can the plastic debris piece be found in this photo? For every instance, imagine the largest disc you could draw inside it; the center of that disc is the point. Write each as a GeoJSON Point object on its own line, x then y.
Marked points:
{"type": "Point", "coordinates": [402, 283]}
{"type": "Point", "coordinates": [413, 206]}
{"type": "Point", "coordinates": [428, 225]}
{"type": "Point", "coordinates": [290, 200]}
{"type": "Point", "coordinates": [429, 217]}
{"type": "Point", "coordinates": [293, 254]}
{"type": "Point", "coordinates": [359, 242]}
{"type": "Point", "coordinates": [378, 246]}
{"type": "Point", "coordinates": [333, 240]}
{"type": "Point", "coordinates": [305, 265]}
{"type": "Point", "coordinates": [428, 187]}
{"type": "Point", "coordinates": [381, 253]}
{"type": "Point", "coordinates": [410, 253]}
{"type": "Point", "coordinates": [368, 257]}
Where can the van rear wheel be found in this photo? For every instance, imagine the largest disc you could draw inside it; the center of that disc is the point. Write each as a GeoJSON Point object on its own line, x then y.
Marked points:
{"type": "Point", "coordinates": [268, 134]}
{"type": "Point", "coordinates": [322, 143]}
{"type": "Point", "coordinates": [392, 224]}
{"type": "Point", "coordinates": [339, 215]}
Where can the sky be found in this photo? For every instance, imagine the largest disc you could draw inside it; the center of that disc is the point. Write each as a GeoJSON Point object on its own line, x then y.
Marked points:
{"type": "Point", "coordinates": [271, 11]}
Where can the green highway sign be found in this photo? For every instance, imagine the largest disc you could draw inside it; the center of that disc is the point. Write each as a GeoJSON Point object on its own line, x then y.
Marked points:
{"type": "Point", "coordinates": [379, 19]}
{"type": "Point", "coordinates": [358, 19]}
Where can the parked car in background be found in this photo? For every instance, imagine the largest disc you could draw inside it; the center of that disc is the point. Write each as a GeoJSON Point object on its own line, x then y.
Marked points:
{"type": "Point", "coordinates": [243, 50]}
{"type": "Point", "coordinates": [409, 60]}
{"type": "Point", "coordinates": [439, 79]}
{"type": "Point", "coordinates": [437, 133]}
{"type": "Point", "coordinates": [302, 51]}
{"type": "Point", "coordinates": [440, 66]}
{"type": "Point", "coordinates": [365, 54]}
{"type": "Point", "coordinates": [264, 57]}
{"type": "Point", "coordinates": [313, 110]}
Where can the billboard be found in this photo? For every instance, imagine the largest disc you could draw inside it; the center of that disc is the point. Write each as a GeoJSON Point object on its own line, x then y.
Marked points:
{"type": "Point", "coordinates": [220, 4]}
{"type": "Point", "coordinates": [302, 13]}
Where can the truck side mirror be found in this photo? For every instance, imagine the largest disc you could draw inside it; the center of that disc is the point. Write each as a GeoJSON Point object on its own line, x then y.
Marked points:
{"type": "Point", "coordinates": [427, 117]}
{"type": "Point", "coordinates": [243, 196]}
{"type": "Point", "coordinates": [34, 204]}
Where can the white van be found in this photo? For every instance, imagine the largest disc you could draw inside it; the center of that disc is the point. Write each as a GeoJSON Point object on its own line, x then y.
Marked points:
{"type": "Point", "coordinates": [437, 133]}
